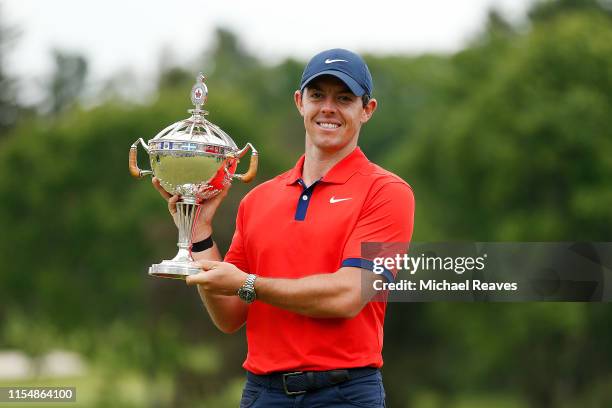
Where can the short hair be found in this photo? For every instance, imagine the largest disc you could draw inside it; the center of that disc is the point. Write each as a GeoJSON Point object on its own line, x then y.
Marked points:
{"type": "Point", "coordinates": [365, 98]}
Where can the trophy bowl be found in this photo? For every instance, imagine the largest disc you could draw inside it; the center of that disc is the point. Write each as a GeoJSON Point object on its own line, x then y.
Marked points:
{"type": "Point", "coordinates": [195, 159]}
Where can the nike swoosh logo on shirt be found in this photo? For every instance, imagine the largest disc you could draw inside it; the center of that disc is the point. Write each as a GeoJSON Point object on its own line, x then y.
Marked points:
{"type": "Point", "coordinates": [330, 61]}
{"type": "Point", "coordinates": [334, 200]}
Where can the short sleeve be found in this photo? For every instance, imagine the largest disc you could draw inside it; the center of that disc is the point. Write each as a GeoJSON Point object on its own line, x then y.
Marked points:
{"type": "Point", "coordinates": [387, 217]}
{"type": "Point", "coordinates": [236, 254]}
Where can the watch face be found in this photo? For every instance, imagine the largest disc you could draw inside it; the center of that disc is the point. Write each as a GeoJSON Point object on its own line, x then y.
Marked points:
{"type": "Point", "coordinates": [246, 295]}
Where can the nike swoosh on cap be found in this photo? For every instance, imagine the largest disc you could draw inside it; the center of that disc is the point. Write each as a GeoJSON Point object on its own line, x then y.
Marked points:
{"type": "Point", "coordinates": [330, 61]}
{"type": "Point", "coordinates": [334, 200]}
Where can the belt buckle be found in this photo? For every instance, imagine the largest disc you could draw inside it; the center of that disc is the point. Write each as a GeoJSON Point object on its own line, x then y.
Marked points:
{"type": "Point", "coordinates": [287, 392]}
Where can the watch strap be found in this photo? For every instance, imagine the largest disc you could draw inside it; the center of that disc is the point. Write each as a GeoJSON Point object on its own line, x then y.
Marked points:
{"type": "Point", "coordinates": [248, 287]}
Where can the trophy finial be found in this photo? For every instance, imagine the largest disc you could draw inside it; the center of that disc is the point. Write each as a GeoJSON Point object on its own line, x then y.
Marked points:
{"type": "Point", "coordinates": [199, 92]}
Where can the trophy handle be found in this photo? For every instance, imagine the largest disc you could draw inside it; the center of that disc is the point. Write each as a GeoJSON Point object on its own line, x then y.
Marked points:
{"type": "Point", "coordinates": [252, 171]}
{"type": "Point", "coordinates": [134, 170]}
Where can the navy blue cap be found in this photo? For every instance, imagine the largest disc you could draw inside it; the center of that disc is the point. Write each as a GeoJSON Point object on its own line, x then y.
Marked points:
{"type": "Point", "coordinates": [345, 65]}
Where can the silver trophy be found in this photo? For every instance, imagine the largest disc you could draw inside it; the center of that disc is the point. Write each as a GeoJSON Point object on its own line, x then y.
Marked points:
{"type": "Point", "coordinates": [196, 159]}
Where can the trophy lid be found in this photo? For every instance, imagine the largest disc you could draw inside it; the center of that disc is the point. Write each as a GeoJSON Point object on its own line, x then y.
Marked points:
{"type": "Point", "coordinates": [196, 128]}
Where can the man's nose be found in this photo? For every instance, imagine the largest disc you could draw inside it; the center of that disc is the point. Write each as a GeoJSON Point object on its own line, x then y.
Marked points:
{"type": "Point", "coordinates": [329, 105]}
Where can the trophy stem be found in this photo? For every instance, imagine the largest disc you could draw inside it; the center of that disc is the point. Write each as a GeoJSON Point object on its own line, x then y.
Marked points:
{"type": "Point", "coordinates": [186, 212]}
{"type": "Point", "coordinates": [180, 266]}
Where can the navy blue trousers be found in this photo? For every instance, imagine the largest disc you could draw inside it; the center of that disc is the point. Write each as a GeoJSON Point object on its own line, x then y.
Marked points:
{"type": "Point", "coordinates": [365, 392]}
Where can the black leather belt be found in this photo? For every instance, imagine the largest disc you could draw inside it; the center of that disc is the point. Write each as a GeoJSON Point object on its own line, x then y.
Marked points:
{"type": "Point", "coordinates": [299, 382]}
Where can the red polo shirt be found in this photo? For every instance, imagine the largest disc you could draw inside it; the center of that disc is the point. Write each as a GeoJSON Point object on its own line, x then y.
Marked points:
{"type": "Point", "coordinates": [286, 230]}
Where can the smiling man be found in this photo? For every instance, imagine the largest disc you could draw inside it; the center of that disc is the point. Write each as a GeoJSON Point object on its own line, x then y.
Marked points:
{"type": "Point", "coordinates": [294, 272]}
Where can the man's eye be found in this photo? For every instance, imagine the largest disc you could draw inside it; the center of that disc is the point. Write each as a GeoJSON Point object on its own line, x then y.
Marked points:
{"type": "Point", "coordinates": [315, 95]}
{"type": "Point", "coordinates": [345, 98]}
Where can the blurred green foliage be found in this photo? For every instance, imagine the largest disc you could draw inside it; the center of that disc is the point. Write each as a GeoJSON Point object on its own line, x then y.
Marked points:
{"type": "Point", "coordinates": [508, 139]}
{"type": "Point", "coordinates": [9, 108]}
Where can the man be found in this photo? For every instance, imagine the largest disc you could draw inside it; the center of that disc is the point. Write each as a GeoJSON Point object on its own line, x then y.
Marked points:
{"type": "Point", "coordinates": [293, 271]}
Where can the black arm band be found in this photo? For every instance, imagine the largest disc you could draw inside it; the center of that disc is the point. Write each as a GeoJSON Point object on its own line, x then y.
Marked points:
{"type": "Point", "coordinates": [202, 245]}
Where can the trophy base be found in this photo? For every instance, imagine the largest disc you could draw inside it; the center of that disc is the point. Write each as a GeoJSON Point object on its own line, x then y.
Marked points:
{"type": "Point", "coordinates": [172, 270]}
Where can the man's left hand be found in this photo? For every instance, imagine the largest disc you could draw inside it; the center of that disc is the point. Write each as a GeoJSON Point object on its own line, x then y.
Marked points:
{"type": "Point", "coordinates": [220, 278]}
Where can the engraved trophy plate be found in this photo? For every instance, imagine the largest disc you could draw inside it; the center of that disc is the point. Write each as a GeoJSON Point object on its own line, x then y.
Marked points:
{"type": "Point", "coordinates": [195, 159]}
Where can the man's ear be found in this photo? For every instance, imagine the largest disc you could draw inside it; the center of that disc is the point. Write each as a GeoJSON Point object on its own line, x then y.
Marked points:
{"type": "Point", "coordinates": [368, 110]}
{"type": "Point", "coordinates": [297, 98]}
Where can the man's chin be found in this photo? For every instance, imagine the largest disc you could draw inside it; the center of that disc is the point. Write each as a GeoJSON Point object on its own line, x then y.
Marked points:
{"type": "Point", "coordinates": [325, 143]}
{"type": "Point", "coordinates": [330, 146]}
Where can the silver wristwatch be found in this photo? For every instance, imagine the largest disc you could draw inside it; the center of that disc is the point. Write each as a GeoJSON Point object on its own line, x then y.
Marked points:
{"type": "Point", "coordinates": [247, 291]}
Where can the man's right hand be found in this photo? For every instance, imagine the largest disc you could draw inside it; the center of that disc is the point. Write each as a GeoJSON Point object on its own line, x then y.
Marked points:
{"type": "Point", "coordinates": [208, 208]}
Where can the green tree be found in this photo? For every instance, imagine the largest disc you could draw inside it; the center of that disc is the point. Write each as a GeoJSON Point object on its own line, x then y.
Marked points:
{"type": "Point", "coordinates": [548, 9]}
{"type": "Point", "coordinates": [518, 151]}
{"type": "Point", "coordinates": [9, 107]}
{"type": "Point", "coordinates": [67, 81]}
{"type": "Point", "coordinates": [527, 146]}
{"type": "Point", "coordinates": [227, 58]}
